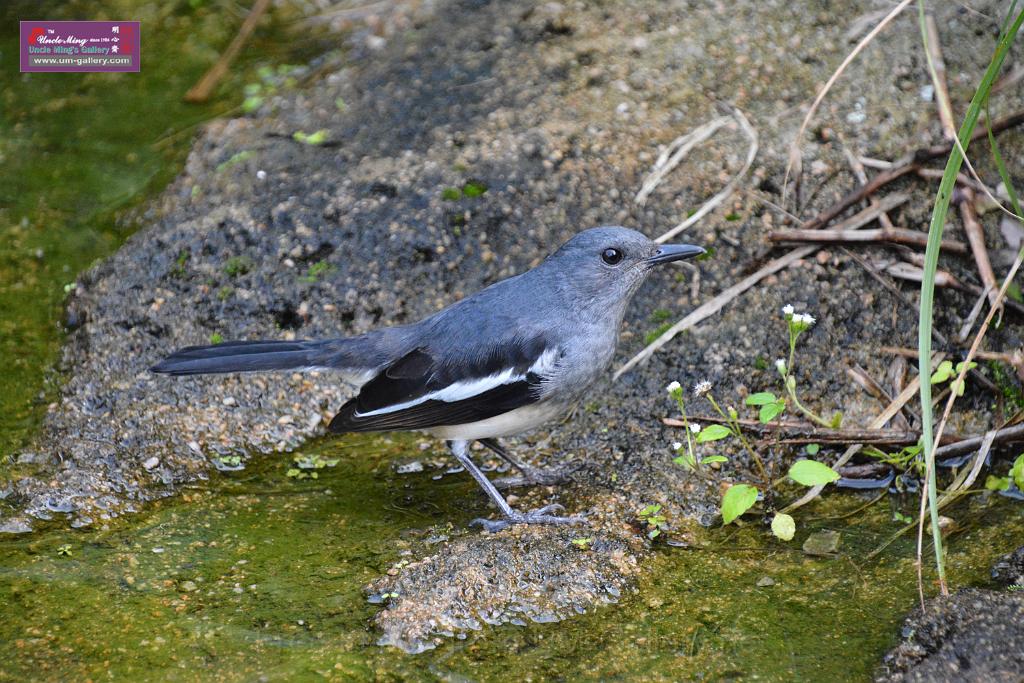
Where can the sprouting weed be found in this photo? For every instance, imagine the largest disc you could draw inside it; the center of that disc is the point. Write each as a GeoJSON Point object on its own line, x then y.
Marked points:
{"type": "Point", "coordinates": [655, 521]}
{"type": "Point", "coordinates": [582, 543]}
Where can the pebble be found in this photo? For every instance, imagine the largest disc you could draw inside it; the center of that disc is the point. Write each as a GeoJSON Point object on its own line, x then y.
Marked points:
{"type": "Point", "coordinates": [151, 463]}
{"type": "Point", "coordinates": [765, 581]}
{"type": "Point", "coordinates": [822, 543]}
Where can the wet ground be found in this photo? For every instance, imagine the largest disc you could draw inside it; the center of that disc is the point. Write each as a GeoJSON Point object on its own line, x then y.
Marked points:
{"type": "Point", "coordinates": [551, 115]}
{"type": "Point", "coordinates": [258, 574]}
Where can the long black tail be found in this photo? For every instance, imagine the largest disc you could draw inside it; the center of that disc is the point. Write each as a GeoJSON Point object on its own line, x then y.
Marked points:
{"type": "Point", "coordinates": [245, 356]}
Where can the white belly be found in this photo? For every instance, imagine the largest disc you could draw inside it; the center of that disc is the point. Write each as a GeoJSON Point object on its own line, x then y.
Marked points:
{"type": "Point", "coordinates": [513, 422]}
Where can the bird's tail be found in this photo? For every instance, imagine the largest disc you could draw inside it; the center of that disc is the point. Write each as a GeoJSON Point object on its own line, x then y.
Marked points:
{"type": "Point", "coordinates": [247, 356]}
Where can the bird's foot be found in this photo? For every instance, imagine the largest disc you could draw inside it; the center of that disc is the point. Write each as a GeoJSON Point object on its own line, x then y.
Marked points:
{"type": "Point", "coordinates": [533, 476]}
{"type": "Point", "coordinates": [538, 516]}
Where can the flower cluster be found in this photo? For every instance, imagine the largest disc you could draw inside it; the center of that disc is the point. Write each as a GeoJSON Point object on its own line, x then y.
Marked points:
{"type": "Point", "coordinates": [801, 321]}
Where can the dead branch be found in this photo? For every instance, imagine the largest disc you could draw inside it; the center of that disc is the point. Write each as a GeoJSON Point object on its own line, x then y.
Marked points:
{"type": "Point", "coordinates": [202, 90]}
{"type": "Point", "coordinates": [911, 238]}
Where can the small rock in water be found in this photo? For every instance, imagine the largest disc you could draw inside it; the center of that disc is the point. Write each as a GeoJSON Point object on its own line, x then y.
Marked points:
{"type": "Point", "coordinates": [765, 581]}
{"type": "Point", "coordinates": [410, 467]}
{"type": "Point", "coordinates": [822, 543]}
{"type": "Point", "coordinates": [188, 586]}
{"type": "Point", "coordinates": [947, 525]}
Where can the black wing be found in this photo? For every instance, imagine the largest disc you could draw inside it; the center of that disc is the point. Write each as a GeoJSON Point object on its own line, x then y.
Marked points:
{"type": "Point", "coordinates": [410, 393]}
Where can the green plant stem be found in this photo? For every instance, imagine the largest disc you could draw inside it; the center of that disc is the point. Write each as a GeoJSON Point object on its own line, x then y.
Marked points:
{"type": "Point", "coordinates": [689, 434]}
{"type": "Point", "coordinates": [938, 220]}
{"type": "Point", "coordinates": [738, 433]}
{"type": "Point", "coordinates": [808, 413]}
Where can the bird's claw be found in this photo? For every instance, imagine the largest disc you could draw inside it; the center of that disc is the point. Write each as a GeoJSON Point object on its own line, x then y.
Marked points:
{"type": "Point", "coordinates": [538, 516]}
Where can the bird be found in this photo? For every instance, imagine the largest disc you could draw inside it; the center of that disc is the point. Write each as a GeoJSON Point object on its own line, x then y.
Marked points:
{"type": "Point", "coordinates": [505, 360]}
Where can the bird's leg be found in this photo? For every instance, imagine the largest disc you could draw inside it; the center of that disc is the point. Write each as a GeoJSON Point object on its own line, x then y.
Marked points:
{"type": "Point", "coordinates": [540, 516]}
{"type": "Point", "coordinates": [531, 476]}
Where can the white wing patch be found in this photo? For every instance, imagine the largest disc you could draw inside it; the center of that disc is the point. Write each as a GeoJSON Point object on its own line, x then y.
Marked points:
{"type": "Point", "coordinates": [468, 389]}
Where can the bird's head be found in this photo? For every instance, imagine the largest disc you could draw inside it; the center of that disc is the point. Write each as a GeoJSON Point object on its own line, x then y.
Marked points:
{"type": "Point", "coordinates": [605, 266]}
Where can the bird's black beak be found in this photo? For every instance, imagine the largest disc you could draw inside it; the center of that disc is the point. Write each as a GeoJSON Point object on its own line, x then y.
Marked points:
{"type": "Point", "coordinates": [667, 253]}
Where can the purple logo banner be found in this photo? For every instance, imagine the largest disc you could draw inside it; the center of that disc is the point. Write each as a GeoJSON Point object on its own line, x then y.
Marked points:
{"type": "Point", "coordinates": [80, 46]}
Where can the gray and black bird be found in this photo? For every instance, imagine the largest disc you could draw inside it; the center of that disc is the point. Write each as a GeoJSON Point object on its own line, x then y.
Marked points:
{"type": "Point", "coordinates": [505, 360]}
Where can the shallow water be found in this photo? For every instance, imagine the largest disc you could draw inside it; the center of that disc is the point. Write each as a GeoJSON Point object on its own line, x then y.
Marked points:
{"type": "Point", "coordinates": [259, 574]}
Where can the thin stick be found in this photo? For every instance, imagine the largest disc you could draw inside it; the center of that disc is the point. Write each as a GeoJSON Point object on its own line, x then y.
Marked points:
{"type": "Point", "coordinates": [972, 317]}
{"type": "Point", "coordinates": [934, 48]}
{"type": "Point", "coordinates": [795, 160]}
{"type": "Point", "coordinates": [729, 188]}
{"type": "Point", "coordinates": [976, 237]}
{"type": "Point", "coordinates": [674, 153]}
{"type": "Point", "coordinates": [862, 177]}
{"type": "Point", "coordinates": [804, 432]}
{"type": "Point", "coordinates": [911, 238]}
{"type": "Point", "coordinates": [202, 90]}
{"type": "Point", "coordinates": [1002, 436]}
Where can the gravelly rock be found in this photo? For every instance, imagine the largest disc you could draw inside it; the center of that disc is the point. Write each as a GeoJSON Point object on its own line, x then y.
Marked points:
{"type": "Point", "coordinates": [1009, 569]}
{"type": "Point", "coordinates": [560, 110]}
{"type": "Point", "coordinates": [974, 635]}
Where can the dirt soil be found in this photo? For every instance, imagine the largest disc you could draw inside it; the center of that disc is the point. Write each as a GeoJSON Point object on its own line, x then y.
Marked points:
{"type": "Point", "coordinates": [559, 110]}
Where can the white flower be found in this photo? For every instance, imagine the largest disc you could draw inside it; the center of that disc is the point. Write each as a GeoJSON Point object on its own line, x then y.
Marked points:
{"type": "Point", "coordinates": [780, 365]}
{"type": "Point", "coordinates": [702, 388]}
{"type": "Point", "coordinates": [787, 310]}
{"type": "Point", "coordinates": [676, 445]}
{"type": "Point", "coordinates": [694, 427]}
{"type": "Point", "coordinates": [809, 319]}
{"type": "Point", "coordinates": [673, 387]}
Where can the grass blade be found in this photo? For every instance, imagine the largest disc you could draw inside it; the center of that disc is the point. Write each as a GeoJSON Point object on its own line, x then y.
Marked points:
{"type": "Point", "coordinates": [938, 221]}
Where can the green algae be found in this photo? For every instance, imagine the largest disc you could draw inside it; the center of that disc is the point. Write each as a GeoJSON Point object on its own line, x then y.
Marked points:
{"type": "Point", "coordinates": [258, 574]}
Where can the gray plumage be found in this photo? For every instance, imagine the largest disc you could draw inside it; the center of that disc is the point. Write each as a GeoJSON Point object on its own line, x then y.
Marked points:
{"type": "Point", "coordinates": [504, 360]}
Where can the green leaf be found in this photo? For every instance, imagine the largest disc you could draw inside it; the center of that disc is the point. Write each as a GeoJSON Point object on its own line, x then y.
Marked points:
{"type": "Point", "coordinates": [652, 509]}
{"type": "Point", "coordinates": [813, 448]}
{"type": "Point", "coordinates": [994, 483]}
{"type": "Point", "coordinates": [1017, 471]}
{"type": "Point", "coordinates": [812, 473]}
{"type": "Point", "coordinates": [713, 433]}
{"type": "Point", "coordinates": [943, 372]}
{"type": "Point", "coordinates": [761, 398]}
{"type": "Point", "coordinates": [783, 526]}
{"type": "Point", "coordinates": [737, 500]}
{"type": "Point", "coordinates": [771, 411]}
{"type": "Point", "coordinates": [960, 367]}
{"type": "Point", "coordinates": [713, 458]}
{"type": "Point", "coordinates": [837, 420]}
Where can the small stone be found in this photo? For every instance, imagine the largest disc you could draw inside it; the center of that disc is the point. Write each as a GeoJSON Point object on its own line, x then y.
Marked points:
{"type": "Point", "coordinates": [947, 525]}
{"type": "Point", "coordinates": [822, 543]}
{"type": "Point", "coordinates": [151, 463]}
{"type": "Point", "coordinates": [229, 401]}
{"type": "Point", "coordinates": [189, 586]}
{"type": "Point", "coordinates": [765, 581]}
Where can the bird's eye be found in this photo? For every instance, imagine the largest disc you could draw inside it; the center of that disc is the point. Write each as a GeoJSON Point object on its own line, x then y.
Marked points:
{"type": "Point", "coordinates": [611, 256]}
